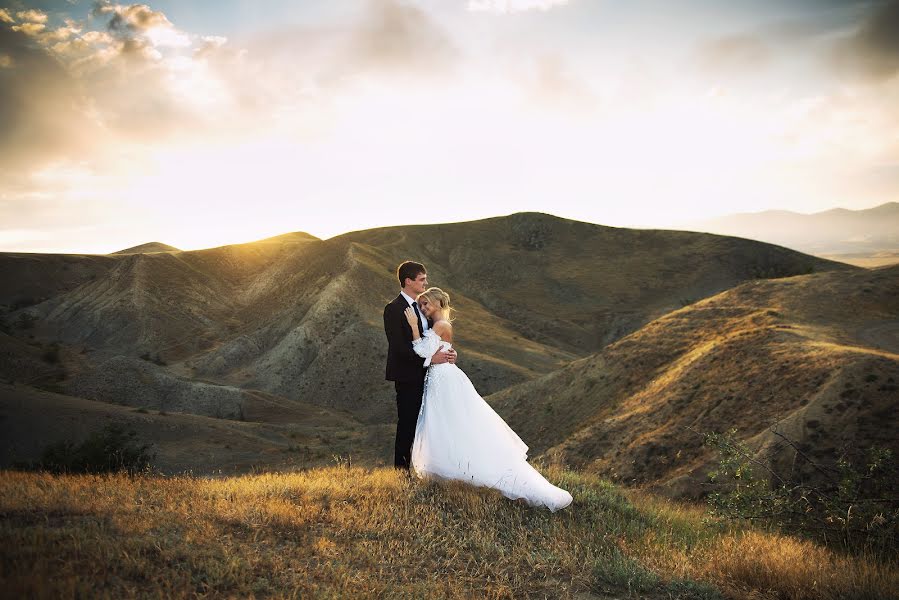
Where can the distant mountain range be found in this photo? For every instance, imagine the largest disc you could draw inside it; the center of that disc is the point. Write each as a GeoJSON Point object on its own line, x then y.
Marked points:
{"type": "Point", "coordinates": [281, 340]}
{"type": "Point", "coordinates": [835, 231]}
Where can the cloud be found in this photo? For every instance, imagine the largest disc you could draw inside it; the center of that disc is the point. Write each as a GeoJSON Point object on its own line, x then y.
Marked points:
{"type": "Point", "coordinates": [873, 48]}
{"type": "Point", "coordinates": [397, 37]}
{"type": "Point", "coordinates": [29, 28]}
{"type": "Point", "coordinates": [70, 96]}
{"type": "Point", "coordinates": [513, 6]}
{"type": "Point", "coordinates": [32, 22]}
{"type": "Point", "coordinates": [41, 105]}
{"type": "Point", "coordinates": [139, 25]}
{"type": "Point", "coordinates": [209, 45]}
{"type": "Point", "coordinates": [128, 77]}
{"type": "Point", "coordinates": [734, 54]}
{"type": "Point", "coordinates": [553, 85]}
{"type": "Point", "coordinates": [32, 16]}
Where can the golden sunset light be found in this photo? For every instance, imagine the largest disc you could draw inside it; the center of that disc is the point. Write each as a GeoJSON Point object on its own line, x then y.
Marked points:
{"type": "Point", "coordinates": [449, 299]}
{"type": "Point", "coordinates": [201, 126]}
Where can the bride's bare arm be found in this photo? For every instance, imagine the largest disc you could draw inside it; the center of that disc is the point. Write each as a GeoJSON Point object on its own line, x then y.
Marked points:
{"type": "Point", "coordinates": [445, 330]}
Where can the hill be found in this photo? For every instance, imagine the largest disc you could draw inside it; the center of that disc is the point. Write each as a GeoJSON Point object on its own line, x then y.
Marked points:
{"type": "Point", "coordinates": [274, 433]}
{"type": "Point", "coordinates": [836, 232]}
{"type": "Point", "coordinates": [345, 531]}
{"type": "Point", "coordinates": [147, 248]}
{"type": "Point", "coordinates": [300, 317]}
{"type": "Point", "coordinates": [816, 355]}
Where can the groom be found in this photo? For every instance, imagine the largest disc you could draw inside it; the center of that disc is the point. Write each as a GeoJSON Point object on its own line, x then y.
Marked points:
{"type": "Point", "coordinates": [404, 367]}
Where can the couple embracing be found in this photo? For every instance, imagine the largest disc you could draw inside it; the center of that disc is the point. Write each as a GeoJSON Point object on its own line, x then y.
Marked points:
{"type": "Point", "coordinates": [445, 430]}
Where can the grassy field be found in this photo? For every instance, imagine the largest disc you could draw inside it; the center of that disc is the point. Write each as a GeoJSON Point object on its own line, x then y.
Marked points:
{"type": "Point", "coordinates": [346, 531]}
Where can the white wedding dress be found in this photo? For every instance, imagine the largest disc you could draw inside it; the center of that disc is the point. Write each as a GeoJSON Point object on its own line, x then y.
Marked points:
{"type": "Point", "coordinates": [459, 436]}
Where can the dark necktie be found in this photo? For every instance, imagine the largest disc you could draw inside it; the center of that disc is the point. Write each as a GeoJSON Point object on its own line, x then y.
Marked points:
{"type": "Point", "coordinates": [421, 330]}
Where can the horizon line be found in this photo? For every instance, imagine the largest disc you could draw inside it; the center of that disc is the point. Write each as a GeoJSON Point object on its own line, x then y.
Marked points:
{"type": "Point", "coordinates": [525, 212]}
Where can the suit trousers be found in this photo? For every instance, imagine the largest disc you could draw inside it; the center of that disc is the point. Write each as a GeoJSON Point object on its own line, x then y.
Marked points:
{"type": "Point", "coordinates": [408, 404]}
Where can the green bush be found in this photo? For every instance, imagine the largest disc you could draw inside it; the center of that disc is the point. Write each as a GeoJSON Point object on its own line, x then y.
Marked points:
{"type": "Point", "coordinates": [853, 506]}
{"type": "Point", "coordinates": [111, 449]}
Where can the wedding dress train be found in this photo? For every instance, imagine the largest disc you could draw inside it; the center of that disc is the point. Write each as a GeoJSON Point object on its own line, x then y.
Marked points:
{"type": "Point", "coordinates": [460, 437]}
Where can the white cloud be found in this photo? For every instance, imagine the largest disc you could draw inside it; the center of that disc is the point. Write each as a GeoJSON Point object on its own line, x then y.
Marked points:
{"type": "Point", "coordinates": [130, 119]}
{"type": "Point", "coordinates": [29, 28]}
{"type": "Point", "coordinates": [32, 16]}
{"type": "Point", "coordinates": [513, 6]}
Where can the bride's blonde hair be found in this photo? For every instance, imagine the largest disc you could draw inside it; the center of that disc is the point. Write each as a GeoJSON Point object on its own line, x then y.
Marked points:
{"type": "Point", "coordinates": [440, 298]}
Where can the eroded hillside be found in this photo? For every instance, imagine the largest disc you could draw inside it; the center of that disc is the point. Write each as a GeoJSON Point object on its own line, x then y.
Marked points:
{"type": "Point", "coordinates": [814, 355]}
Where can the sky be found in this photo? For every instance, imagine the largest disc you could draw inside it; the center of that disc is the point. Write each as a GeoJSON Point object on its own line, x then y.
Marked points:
{"type": "Point", "coordinates": [199, 123]}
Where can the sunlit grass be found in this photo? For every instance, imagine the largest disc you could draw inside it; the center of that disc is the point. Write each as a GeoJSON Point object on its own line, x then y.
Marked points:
{"type": "Point", "coordinates": [348, 531]}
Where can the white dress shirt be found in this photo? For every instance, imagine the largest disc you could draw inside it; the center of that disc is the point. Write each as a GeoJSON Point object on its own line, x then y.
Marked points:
{"type": "Point", "coordinates": [421, 317]}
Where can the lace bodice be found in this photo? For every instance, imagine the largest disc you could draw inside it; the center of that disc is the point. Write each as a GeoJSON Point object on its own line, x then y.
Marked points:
{"type": "Point", "coordinates": [428, 344]}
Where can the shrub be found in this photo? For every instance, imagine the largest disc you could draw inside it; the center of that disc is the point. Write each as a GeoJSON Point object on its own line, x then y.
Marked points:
{"type": "Point", "coordinates": [26, 321]}
{"type": "Point", "coordinates": [111, 449]}
{"type": "Point", "coordinates": [852, 507]}
{"type": "Point", "coordinates": [22, 302]}
{"type": "Point", "coordinates": [51, 354]}
{"type": "Point", "coordinates": [157, 359]}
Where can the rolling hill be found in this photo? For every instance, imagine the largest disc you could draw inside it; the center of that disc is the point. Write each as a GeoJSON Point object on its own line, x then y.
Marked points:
{"type": "Point", "coordinates": [300, 317]}
{"type": "Point", "coordinates": [815, 355]}
{"type": "Point", "coordinates": [147, 248]}
{"type": "Point", "coordinates": [274, 433]}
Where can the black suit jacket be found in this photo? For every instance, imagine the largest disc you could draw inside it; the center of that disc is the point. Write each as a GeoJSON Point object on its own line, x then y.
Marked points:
{"type": "Point", "coordinates": [403, 364]}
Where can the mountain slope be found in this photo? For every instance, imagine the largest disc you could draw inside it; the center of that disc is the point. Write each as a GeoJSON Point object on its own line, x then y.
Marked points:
{"type": "Point", "coordinates": [815, 354]}
{"type": "Point", "coordinates": [301, 317]}
{"type": "Point", "coordinates": [277, 434]}
{"type": "Point", "coordinates": [31, 278]}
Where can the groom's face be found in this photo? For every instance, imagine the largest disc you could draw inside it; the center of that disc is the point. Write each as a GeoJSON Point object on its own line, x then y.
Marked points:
{"type": "Point", "coordinates": [420, 283]}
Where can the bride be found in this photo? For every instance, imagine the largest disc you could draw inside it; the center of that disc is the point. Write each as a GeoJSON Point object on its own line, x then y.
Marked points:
{"type": "Point", "coordinates": [458, 435]}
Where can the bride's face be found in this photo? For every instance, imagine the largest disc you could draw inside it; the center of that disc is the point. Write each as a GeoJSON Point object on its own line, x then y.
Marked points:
{"type": "Point", "coordinates": [426, 307]}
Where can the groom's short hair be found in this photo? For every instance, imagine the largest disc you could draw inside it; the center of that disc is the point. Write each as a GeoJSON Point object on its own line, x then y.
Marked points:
{"type": "Point", "coordinates": [409, 270]}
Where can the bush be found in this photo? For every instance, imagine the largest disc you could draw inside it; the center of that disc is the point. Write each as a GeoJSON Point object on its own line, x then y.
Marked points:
{"type": "Point", "coordinates": [26, 321]}
{"type": "Point", "coordinates": [51, 354]}
{"type": "Point", "coordinates": [157, 359]}
{"type": "Point", "coordinates": [111, 449]}
{"type": "Point", "coordinates": [852, 507]}
{"type": "Point", "coordinates": [22, 302]}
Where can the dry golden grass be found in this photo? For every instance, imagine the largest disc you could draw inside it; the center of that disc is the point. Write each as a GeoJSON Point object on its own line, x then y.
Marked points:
{"type": "Point", "coordinates": [756, 564]}
{"type": "Point", "coordinates": [346, 531]}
